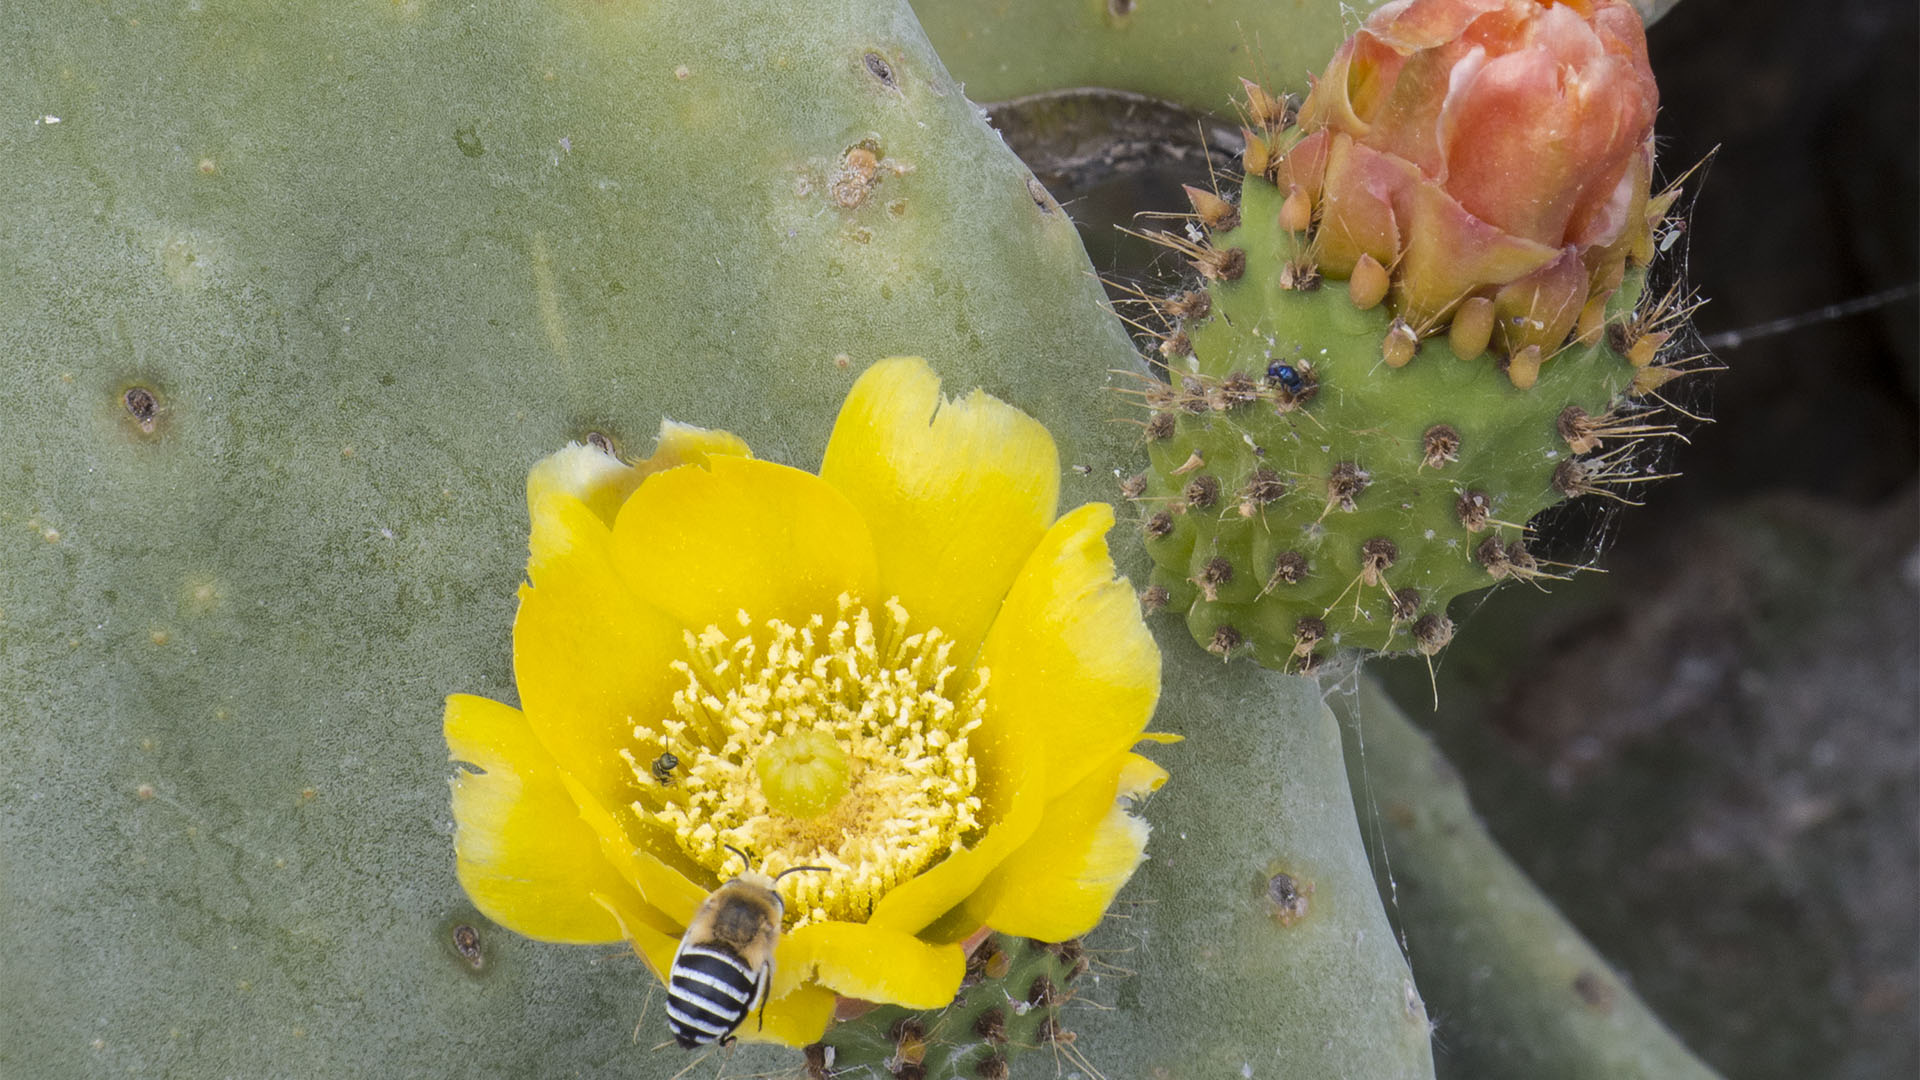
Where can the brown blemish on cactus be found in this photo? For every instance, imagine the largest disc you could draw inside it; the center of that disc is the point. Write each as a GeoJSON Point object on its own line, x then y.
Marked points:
{"type": "Point", "coordinates": [1119, 10]}
{"type": "Point", "coordinates": [1202, 492]}
{"type": "Point", "coordinates": [1160, 427]}
{"type": "Point", "coordinates": [1176, 345]}
{"type": "Point", "coordinates": [143, 406]}
{"type": "Point", "coordinates": [858, 174]}
{"type": "Point", "coordinates": [466, 942]}
{"type": "Point", "coordinates": [1159, 526]}
{"type": "Point", "coordinates": [1154, 598]}
{"type": "Point", "coordinates": [1041, 197]}
{"type": "Point", "coordinates": [819, 1058]}
{"type": "Point", "coordinates": [1440, 445]}
{"type": "Point", "coordinates": [992, 1067]}
{"type": "Point", "coordinates": [1225, 639]}
{"type": "Point", "coordinates": [991, 1025]}
{"type": "Point", "coordinates": [1288, 898]}
{"type": "Point", "coordinates": [601, 442]}
{"type": "Point", "coordinates": [1473, 508]}
{"type": "Point", "coordinates": [1594, 990]}
{"type": "Point", "coordinates": [1133, 486]}
{"type": "Point", "coordinates": [878, 67]}
{"type": "Point", "coordinates": [1344, 484]}
{"type": "Point", "coordinates": [1376, 556]}
{"type": "Point", "coordinates": [1216, 572]}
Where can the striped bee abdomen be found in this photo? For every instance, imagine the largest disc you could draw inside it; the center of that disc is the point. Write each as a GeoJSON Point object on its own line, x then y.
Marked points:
{"type": "Point", "coordinates": [711, 990]}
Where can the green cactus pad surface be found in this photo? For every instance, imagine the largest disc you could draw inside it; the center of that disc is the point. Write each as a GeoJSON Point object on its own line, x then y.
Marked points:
{"type": "Point", "coordinates": [1306, 495]}
{"type": "Point", "coordinates": [293, 298]}
{"type": "Point", "coordinates": [1009, 1005]}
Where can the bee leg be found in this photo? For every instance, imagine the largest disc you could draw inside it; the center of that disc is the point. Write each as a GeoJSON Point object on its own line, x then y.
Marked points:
{"type": "Point", "coordinates": [765, 989]}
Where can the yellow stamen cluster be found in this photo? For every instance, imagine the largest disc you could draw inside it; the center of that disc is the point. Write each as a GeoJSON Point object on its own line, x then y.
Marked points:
{"type": "Point", "coordinates": [841, 746]}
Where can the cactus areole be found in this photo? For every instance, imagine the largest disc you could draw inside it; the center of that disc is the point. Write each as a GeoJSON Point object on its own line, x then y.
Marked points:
{"type": "Point", "coordinates": [1423, 321]}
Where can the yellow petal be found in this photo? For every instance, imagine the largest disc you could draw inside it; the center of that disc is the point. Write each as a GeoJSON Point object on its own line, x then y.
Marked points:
{"type": "Point", "coordinates": [956, 492]}
{"type": "Point", "coordinates": [654, 946]}
{"type": "Point", "coordinates": [596, 478]}
{"type": "Point", "coordinates": [603, 481]}
{"type": "Point", "coordinates": [1059, 885]}
{"type": "Point", "coordinates": [1013, 777]}
{"type": "Point", "coordinates": [590, 660]}
{"type": "Point", "coordinates": [669, 896]}
{"type": "Point", "coordinates": [701, 543]}
{"type": "Point", "coordinates": [1069, 654]}
{"type": "Point", "coordinates": [860, 960]}
{"type": "Point", "coordinates": [684, 444]}
{"type": "Point", "coordinates": [794, 1019]}
{"type": "Point", "coordinates": [523, 854]}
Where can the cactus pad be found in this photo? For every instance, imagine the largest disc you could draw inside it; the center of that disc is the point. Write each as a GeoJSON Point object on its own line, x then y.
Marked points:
{"type": "Point", "coordinates": [1325, 475]}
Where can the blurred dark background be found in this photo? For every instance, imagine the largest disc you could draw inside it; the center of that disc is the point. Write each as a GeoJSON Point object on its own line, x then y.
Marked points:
{"type": "Point", "coordinates": [1709, 754]}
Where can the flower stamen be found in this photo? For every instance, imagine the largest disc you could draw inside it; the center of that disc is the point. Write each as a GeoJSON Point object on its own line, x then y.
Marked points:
{"type": "Point", "coordinates": [841, 745]}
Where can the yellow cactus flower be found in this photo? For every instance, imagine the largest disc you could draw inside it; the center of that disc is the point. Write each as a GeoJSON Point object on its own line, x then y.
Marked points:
{"type": "Point", "coordinates": [904, 669]}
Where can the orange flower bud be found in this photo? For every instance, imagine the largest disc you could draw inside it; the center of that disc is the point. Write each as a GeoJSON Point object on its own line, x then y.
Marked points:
{"type": "Point", "coordinates": [1479, 142]}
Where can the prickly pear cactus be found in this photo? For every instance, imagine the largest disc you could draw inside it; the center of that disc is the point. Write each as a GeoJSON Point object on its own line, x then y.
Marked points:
{"type": "Point", "coordinates": [1333, 455]}
{"type": "Point", "coordinates": [1008, 1005]}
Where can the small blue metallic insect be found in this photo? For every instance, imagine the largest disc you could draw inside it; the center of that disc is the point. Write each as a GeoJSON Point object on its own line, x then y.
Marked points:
{"type": "Point", "coordinates": [1285, 376]}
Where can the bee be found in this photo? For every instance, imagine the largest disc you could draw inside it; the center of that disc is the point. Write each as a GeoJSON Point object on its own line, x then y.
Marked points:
{"type": "Point", "coordinates": [724, 964]}
{"type": "Point", "coordinates": [663, 767]}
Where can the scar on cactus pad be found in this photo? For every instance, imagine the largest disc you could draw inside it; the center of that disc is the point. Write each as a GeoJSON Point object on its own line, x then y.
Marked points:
{"type": "Point", "coordinates": [1407, 339]}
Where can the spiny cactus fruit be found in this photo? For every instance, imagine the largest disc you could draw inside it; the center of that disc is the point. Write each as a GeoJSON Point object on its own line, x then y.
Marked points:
{"type": "Point", "coordinates": [1008, 1005]}
{"type": "Point", "coordinates": [1398, 354]}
